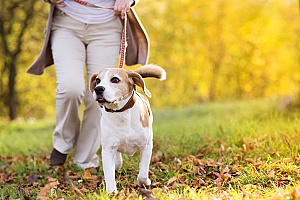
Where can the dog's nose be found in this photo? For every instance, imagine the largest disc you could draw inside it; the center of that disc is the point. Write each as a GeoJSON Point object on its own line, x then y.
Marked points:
{"type": "Point", "coordinates": [99, 90]}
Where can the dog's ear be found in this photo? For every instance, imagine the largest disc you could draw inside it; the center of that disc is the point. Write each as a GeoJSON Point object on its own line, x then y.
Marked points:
{"type": "Point", "coordinates": [93, 82]}
{"type": "Point", "coordinates": [138, 80]}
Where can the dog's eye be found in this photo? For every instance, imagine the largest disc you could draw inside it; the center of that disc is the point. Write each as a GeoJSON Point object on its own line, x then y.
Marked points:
{"type": "Point", "coordinates": [98, 80]}
{"type": "Point", "coordinates": [115, 80]}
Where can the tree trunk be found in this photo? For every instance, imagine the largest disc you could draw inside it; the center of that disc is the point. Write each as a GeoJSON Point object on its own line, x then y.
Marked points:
{"type": "Point", "coordinates": [12, 100]}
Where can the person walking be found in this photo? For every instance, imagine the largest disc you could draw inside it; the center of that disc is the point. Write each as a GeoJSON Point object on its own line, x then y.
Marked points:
{"type": "Point", "coordinates": [79, 35]}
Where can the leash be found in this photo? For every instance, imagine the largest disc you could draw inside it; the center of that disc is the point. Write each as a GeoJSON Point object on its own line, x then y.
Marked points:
{"type": "Point", "coordinates": [124, 31]}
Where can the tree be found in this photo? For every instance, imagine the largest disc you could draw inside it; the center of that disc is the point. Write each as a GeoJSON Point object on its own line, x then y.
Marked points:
{"type": "Point", "coordinates": [16, 17]}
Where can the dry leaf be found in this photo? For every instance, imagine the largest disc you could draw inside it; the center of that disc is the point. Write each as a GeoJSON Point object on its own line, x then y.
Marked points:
{"type": "Point", "coordinates": [157, 190]}
{"type": "Point", "coordinates": [146, 194]}
{"type": "Point", "coordinates": [88, 176]}
{"type": "Point", "coordinates": [222, 148]}
{"type": "Point", "coordinates": [253, 172]}
{"type": "Point", "coordinates": [171, 180]}
{"type": "Point", "coordinates": [78, 192]}
{"type": "Point", "coordinates": [271, 174]}
{"type": "Point", "coordinates": [157, 157]}
{"type": "Point", "coordinates": [174, 178]}
{"type": "Point", "coordinates": [46, 189]}
{"type": "Point", "coordinates": [244, 147]}
{"type": "Point", "coordinates": [296, 193]}
{"type": "Point", "coordinates": [178, 161]}
{"type": "Point", "coordinates": [32, 178]}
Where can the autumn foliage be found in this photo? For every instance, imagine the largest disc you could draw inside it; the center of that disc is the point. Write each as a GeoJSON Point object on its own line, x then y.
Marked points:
{"type": "Point", "coordinates": [211, 50]}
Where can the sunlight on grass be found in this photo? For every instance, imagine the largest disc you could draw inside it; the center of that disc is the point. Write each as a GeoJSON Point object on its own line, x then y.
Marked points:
{"type": "Point", "coordinates": [231, 150]}
{"type": "Point", "coordinates": [26, 137]}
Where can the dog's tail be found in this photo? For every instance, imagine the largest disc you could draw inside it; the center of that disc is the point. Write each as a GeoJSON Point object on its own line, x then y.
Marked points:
{"type": "Point", "coordinates": [153, 71]}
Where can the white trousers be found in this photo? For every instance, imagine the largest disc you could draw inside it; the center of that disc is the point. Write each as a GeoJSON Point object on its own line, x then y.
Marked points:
{"type": "Point", "coordinates": [76, 46]}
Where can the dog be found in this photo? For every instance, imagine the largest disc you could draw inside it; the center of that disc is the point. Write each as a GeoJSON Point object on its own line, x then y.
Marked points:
{"type": "Point", "coordinates": [126, 121]}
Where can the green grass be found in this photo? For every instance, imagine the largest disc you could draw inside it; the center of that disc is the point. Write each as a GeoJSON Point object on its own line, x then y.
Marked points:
{"type": "Point", "coordinates": [246, 149]}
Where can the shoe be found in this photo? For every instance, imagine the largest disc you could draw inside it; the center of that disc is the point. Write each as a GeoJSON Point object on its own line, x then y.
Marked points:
{"type": "Point", "coordinates": [57, 158]}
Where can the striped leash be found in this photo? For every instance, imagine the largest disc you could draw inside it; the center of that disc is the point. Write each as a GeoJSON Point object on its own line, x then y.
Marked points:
{"type": "Point", "coordinates": [123, 38]}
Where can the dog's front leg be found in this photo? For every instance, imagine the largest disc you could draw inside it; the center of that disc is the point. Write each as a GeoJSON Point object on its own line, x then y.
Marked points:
{"type": "Point", "coordinates": [144, 166]}
{"type": "Point", "coordinates": [109, 171]}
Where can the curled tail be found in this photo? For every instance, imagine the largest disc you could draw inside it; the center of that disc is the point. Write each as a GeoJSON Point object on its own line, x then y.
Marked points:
{"type": "Point", "coordinates": [153, 71]}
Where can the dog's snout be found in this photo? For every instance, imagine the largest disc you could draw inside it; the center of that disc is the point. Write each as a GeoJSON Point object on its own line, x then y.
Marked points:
{"type": "Point", "coordinates": [99, 90]}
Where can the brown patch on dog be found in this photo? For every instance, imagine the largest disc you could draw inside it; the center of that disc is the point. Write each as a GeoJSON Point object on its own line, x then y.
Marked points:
{"type": "Point", "coordinates": [127, 86]}
{"type": "Point", "coordinates": [93, 82]}
{"type": "Point", "coordinates": [138, 80]}
{"type": "Point", "coordinates": [144, 112]}
{"type": "Point", "coordinates": [144, 116]}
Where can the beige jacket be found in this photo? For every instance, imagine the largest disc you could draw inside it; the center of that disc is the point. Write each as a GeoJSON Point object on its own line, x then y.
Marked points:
{"type": "Point", "coordinates": [137, 50]}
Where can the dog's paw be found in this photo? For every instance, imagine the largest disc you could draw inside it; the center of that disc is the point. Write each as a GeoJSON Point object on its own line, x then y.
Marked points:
{"type": "Point", "coordinates": [112, 192]}
{"type": "Point", "coordinates": [144, 181]}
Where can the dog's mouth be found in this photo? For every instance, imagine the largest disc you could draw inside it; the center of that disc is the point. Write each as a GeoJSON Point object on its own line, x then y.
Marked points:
{"type": "Point", "coordinates": [102, 100]}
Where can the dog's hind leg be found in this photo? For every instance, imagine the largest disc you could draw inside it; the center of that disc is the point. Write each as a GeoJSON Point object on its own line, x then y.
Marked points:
{"type": "Point", "coordinates": [143, 179]}
{"type": "Point", "coordinates": [118, 161]}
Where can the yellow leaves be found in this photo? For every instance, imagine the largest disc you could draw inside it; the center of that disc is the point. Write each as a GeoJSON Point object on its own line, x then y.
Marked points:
{"type": "Point", "coordinates": [254, 172]}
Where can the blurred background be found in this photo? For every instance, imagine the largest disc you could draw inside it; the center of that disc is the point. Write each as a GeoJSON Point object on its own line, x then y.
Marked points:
{"type": "Point", "coordinates": [222, 50]}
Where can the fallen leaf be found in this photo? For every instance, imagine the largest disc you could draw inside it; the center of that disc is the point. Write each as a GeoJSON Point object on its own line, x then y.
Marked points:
{"type": "Point", "coordinates": [278, 197]}
{"type": "Point", "coordinates": [157, 190]}
{"type": "Point", "coordinates": [146, 194]}
{"type": "Point", "coordinates": [225, 173]}
{"type": "Point", "coordinates": [78, 192]}
{"type": "Point", "coordinates": [171, 180]}
{"type": "Point", "coordinates": [246, 194]}
{"type": "Point", "coordinates": [157, 157]}
{"type": "Point", "coordinates": [244, 147]}
{"type": "Point", "coordinates": [296, 193]}
{"type": "Point", "coordinates": [87, 174]}
{"type": "Point", "coordinates": [271, 174]}
{"type": "Point", "coordinates": [155, 184]}
{"type": "Point", "coordinates": [254, 172]}
{"type": "Point", "coordinates": [32, 178]}
{"type": "Point", "coordinates": [46, 189]}
{"type": "Point", "coordinates": [74, 177]}
{"type": "Point", "coordinates": [174, 178]}
{"type": "Point", "coordinates": [258, 164]}
{"type": "Point", "coordinates": [222, 148]}
{"type": "Point", "coordinates": [89, 177]}
{"type": "Point", "coordinates": [178, 161]}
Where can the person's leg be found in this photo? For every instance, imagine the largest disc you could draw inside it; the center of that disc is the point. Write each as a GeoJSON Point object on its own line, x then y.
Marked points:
{"type": "Point", "coordinates": [102, 51]}
{"type": "Point", "coordinates": [69, 59]}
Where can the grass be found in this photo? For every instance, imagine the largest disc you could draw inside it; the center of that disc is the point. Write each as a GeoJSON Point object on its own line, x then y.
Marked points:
{"type": "Point", "coordinates": [231, 150]}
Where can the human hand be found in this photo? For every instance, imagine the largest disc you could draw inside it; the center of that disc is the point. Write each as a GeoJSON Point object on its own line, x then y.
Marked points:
{"type": "Point", "coordinates": [58, 3]}
{"type": "Point", "coordinates": [122, 6]}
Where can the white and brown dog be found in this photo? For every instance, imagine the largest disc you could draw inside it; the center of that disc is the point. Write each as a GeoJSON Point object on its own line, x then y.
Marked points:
{"type": "Point", "coordinates": [126, 122]}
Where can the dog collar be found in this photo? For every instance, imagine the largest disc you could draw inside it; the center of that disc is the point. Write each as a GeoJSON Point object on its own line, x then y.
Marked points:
{"type": "Point", "coordinates": [127, 106]}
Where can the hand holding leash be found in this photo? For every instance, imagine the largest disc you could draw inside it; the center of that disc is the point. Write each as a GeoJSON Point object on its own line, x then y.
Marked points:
{"type": "Point", "coordinates": [122, 6]}
{"type": "Point", "coordinates": [58, 3]}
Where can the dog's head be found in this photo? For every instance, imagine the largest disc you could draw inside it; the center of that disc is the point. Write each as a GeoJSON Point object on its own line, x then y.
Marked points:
{"type": "Point", "coordinates": [112, 85]}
